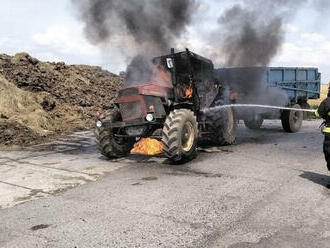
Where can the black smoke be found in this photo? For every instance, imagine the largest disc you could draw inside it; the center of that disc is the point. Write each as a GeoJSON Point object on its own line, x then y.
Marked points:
{"type": "Point", "coordinates": [139, 71]}
{"type": "Point", "coordinates": [321, 5]}
{"type": "Point", "coordinates": [248, 41]}
{"type": "Point", "coordinates": [251, 34]}
{"type": "Point", "coordinates": [151, 25]}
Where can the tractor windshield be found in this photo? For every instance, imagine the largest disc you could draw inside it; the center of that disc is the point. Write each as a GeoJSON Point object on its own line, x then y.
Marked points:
{"type": "Point", "coordinates": [144, 71]}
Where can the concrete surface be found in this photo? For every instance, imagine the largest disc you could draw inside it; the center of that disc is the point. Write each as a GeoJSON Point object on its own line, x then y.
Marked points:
{"type": "Point", "coordinates": [48, 169]}
{"type": "Point", "coordinates": [269, 190]}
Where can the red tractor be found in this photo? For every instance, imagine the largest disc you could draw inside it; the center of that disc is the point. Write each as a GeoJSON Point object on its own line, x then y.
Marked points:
{"type": "Point", "coordinates": [163, 100]}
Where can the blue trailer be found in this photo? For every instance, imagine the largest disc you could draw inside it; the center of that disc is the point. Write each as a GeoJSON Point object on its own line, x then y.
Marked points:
{"type": "Point", "coordinates": [297, 84]}
{"type": "Point", "coordinates": [300, 84]}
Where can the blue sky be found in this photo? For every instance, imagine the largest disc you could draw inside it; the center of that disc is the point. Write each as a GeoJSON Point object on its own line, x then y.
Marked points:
{"type": "Point", "coordinates": [49, 31]}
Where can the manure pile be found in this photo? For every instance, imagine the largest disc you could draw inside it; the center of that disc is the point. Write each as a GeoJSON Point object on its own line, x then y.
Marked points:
{"type": "Point", "coordinates": [39, 100]}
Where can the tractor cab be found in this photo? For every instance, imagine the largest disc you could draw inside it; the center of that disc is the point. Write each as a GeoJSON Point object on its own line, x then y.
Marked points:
{"type": "Point", "coordinates": [191, 75]}
{"type": "Point", "coordinates": [167, 82]}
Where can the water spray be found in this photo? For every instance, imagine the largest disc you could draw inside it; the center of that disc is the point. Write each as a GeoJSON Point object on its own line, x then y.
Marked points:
{"type": "Point", "coordinates": [206, 110]}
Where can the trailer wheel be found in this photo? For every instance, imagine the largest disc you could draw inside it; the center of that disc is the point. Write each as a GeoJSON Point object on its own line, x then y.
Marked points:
{"type": "Point", "coordinates": [179, 136]}
{"type": "Point", "coordinates": [292, 120]}
{"type": "Point", "coordinates": [254, 123]}
{"type": "Point", "coordinates": [108, 144]}
{"type": "Point", "coordinates": [222, 127]}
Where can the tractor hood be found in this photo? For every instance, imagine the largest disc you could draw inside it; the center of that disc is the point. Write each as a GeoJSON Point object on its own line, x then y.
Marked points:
{"type": "Point", "coordinates": [148, 89]}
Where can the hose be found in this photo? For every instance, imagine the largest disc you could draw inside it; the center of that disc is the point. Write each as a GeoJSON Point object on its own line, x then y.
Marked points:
{"type": "Point", "coordinates": [206, 110]}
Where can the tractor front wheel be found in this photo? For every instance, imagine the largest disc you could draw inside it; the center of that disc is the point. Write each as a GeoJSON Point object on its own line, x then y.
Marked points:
{"type": "Point", "coordinates": [179, 136]}
{"type": "Point", "coordinates": [109, 144]}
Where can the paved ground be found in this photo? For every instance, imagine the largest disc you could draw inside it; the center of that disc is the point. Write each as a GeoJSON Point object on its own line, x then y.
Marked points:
{"type": "Point", "coordinates": [269, 190]}
{"type": "Point", "coordinates": [48, 169]}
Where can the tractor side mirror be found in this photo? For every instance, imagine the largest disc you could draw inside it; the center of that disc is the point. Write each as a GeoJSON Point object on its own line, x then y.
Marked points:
{"type": "Point", "coordinates": [169, 63]}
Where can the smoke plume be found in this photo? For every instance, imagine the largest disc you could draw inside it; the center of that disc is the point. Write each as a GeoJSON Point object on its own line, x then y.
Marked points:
{"type": "Point", "coordinates": [247, 40]}
{"type": "Point", "coordinates": [251, 34]}
{"type": "Point", "coordinates": [154, 25]}
{"type": "Point", "coordinates": [139, 70]}
{"type": "Point", "coordinates": [321, 5]}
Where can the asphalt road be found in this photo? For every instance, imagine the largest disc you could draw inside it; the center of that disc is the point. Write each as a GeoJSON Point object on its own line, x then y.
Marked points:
{"type": "Point", "coordinates": [269, 190]}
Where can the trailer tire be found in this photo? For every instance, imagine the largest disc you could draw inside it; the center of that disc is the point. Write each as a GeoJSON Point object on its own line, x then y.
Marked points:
{"type": "Point", "coordinates": [292, 120]}
{"type": "Point", "coordinates": [254, 123]}
{"type": "Point", "coordinates": [223, 127]}
{"type": "Point", "coordinates": [109, 145]}
{"type": "Point", "coordinates": [179, 136]}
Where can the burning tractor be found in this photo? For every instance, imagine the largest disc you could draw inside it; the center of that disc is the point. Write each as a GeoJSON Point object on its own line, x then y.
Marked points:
{"type": "Point", "coordinates": [159, 109]}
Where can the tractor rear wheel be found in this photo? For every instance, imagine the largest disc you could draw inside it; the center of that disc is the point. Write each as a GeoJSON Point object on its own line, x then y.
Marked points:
{"type": "Point", "coordinates": [108, 144]}
{"type": "Point", "coordinates": [222, 127]}
{"type": "Point", "coordinates": [179, 136]}
{"type": "Point", "coordinates": [292, 120]}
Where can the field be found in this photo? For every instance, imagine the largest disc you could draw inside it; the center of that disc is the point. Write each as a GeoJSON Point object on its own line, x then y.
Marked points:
{"type": "Point", "coordinates": [324, 92]}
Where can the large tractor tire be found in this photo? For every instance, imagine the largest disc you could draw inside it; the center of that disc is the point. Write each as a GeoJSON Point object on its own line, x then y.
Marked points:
{"type": "Point", "coordinates": [222, 127]}
{"type": "Point", "coordinates": [254, 123]}
{"type": "Point", "coordinates": [108, 144]}
{"type": "Point", "coordinates": [292, 120]}
{"type": "Point", "coordinates": [179, 136]}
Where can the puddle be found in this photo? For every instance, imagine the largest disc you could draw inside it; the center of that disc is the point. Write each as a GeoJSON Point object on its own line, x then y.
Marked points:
{"type": "Point", "coordinates": [190, 172]}
{"type": "Point", "coordinates": [73, 178]}
{"type": "Point", "coordinates": [214, 150]}
{"type": "Point", "coordinates": [136, 184]}
{"type": "Point", "coordinates": [151, 178]}
{"type": "Point", "coordinates": [33, 193]}
{"type": "Point", "coordinates": [38, 227]}
{"type": "Point", "coordinates": [64, 188]}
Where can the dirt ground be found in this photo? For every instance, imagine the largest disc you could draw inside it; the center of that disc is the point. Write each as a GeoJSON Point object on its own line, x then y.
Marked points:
{"type": "Point", "coordinates": [39, 100]}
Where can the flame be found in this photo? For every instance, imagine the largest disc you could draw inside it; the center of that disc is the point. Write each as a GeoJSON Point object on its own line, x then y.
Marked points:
{"type": "Point", "coordinates": [188, 92]}
{"type": "Point", "coordinates": [147, 146]}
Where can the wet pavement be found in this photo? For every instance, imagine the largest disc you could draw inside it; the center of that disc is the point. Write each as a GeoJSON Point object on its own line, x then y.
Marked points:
{"type": "Point", "coordinates": [269, 190]}
{"type": "Point", "coordinates": [51, 168]}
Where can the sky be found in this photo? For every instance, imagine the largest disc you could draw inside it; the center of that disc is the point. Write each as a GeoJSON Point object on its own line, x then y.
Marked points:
{"type": "Point", "coordinates": [50, 31]}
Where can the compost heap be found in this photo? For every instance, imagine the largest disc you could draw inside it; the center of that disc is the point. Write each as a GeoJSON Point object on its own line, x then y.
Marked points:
{"type": "Point", "coordinates": [39, 100]}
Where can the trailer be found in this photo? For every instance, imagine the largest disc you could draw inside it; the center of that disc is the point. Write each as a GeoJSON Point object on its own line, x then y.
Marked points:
{"type": "Point", "coordinates": [291, 86]}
